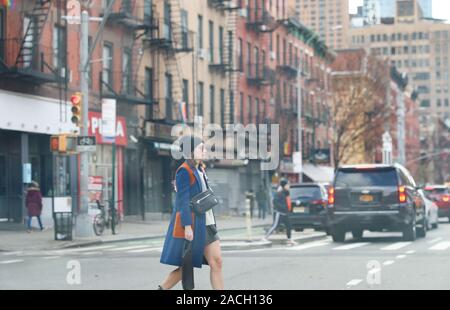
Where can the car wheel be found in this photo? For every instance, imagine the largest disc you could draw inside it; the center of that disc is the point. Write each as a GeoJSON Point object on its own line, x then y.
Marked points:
{"type": "Point", "coordinates": [422, 229]}
{"type": "Point", "coordinates": [338, 234]}
{"type": "Point", "coordinates": [409, 231]}
{"type": "Point", "coordinates": [357, 234]}
{"type": "Point", "coordinates": [435, 225]}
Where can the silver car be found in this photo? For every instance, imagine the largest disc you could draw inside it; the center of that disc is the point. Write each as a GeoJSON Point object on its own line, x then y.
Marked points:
{"type": "Point", "coordinates": [431, 212]}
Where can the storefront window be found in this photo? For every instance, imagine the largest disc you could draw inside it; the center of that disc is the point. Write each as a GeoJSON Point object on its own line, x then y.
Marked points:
{"type": "Point", "coordinates": [2, 176]}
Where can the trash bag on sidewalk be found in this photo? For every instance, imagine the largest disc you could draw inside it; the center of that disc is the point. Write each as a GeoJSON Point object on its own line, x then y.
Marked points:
{"type": "Point", "coordinates": [187, 269]}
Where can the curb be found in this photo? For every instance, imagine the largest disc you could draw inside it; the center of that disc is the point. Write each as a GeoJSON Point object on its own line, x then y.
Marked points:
{"type": "Point", "coordinates": [133, 238]}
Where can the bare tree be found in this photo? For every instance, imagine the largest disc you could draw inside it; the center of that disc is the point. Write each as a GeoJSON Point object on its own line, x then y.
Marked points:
{"type": "Point", "coordinates": [359, 110]}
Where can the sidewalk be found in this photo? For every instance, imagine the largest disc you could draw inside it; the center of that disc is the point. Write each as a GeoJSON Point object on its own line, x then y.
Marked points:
{"type": "Point", "coordinates": [232, 230]}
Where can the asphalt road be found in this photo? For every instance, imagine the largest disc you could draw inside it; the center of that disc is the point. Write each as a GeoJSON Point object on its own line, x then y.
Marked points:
{"type": "Point", "coordinates": [379, 261]}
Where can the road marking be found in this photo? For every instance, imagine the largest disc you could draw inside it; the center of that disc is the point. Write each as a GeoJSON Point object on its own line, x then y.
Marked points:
{"type": "Point", "coordinates": [396, 246]}
{"type": "Point", "coordinates": [435, 240]}
{"type": "Point", "coordinates": [441, 246]}
{"type": "Point", "coordinates": [354, 282]}
{"type": "Point", "coordinates": [308, 246]}
{"type": "Point", "coordinates": [12, 253]}
{"type": "Point", "coordinates": [135, 247]}
{"type": "Point", "coordinates": [92, 253]}
{"type": "Point", "coordinates": [11, 261]}
{"type": "Point", "coordinates": [51, 257]}
{"type": "Point", "coordinates": [144, 250]}
{"type": "Point", "coordinates": [102, 247]}
{"type": "Point", "coordinates": [351, 246]}
{"type": "Point", "coordinates": [400, 256]}
{"type": "Point", "coordinates": [388, 263]}
{"type": "Point", "coordinates": [410, 252]}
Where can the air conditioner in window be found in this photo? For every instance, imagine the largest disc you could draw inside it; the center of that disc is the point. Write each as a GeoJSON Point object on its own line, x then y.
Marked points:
{"type": "Point", "coordinates": [243, 12]}
{"type": "Point", "coordinates": [273, 56]}
{"type": "Point", "coordinates": [66, 73]}
{"type": "Point", "coordinates": [202, 53]}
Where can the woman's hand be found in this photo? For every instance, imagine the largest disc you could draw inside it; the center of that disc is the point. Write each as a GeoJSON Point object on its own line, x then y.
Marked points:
{"type": "Point", "coordinates": [188, 233]}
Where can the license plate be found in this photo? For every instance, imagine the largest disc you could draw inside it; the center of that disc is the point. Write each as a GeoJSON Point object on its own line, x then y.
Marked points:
{"type": "Point", "coordinates": [366, 198]}
{"type": "Point", "coordinates": [301, 210]}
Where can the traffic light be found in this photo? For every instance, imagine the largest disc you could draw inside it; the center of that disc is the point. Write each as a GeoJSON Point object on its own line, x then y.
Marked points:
{"type": "Point", "coordinates": [76, 101]}
{"type": "Point", "coordinates": [65, 144]}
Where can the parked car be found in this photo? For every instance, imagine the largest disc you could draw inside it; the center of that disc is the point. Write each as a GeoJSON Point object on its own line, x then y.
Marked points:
{"type": "Point", "coordinates": [431, 211]}
{"type": "Point", "coordinates": [440, 194]}
{"type": "Point", "coordinates": [309, 204]}
{"type": "Point", "coordinates": [375, 197]}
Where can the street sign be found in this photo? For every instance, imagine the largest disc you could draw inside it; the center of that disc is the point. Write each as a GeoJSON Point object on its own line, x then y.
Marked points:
{"type": "Point", "coordinates": [86, 144]}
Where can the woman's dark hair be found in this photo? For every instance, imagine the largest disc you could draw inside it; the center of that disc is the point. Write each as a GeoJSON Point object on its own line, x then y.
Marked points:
{"type": "Point", "coordinates": [188, 145]}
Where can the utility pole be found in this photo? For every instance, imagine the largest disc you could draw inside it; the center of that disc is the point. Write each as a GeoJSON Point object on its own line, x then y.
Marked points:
{"type": "Point", "coordinates": [401, 126]}
{"type": "Point", "coordinates": [83, 227]}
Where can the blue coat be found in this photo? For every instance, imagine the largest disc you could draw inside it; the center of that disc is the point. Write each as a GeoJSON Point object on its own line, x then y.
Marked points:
{"type": "Point", "coordinates": [173, 246]}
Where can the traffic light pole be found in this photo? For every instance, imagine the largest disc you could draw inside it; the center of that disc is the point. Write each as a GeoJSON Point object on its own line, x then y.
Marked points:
{"type": "Point", "coordinates": [83, 227]}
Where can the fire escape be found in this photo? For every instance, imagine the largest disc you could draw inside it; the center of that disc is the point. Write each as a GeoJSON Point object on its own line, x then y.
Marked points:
{"type": "Point", "coordinates": [25, 58]}
{"type": "Point", "coordinates": [133, 88]}
{"type": "Point", "coordinates": [171, 38]}
{"type": "Point", "coordinates": [260, 20]}
{"type": "Point", "coordinates": [226, 62]}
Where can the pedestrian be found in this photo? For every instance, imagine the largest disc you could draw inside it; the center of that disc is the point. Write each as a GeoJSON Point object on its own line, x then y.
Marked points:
{"type": "Point", "coordinates": [282, 208]}
{"type": "Point", "coordinates": [251, 197]}
{"type": "Point", "coordinates": [261, 198]}
{"type": "Point", "coordinates": [201, 230]}
{"type": "Point", "coordinates": [33, 203]}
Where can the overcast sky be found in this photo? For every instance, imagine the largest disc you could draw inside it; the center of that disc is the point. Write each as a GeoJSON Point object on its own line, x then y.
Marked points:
{"type": "Point", "coordinates": [441, 8]}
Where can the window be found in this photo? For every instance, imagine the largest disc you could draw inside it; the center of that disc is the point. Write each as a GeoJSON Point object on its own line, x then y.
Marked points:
{"type": "Point", "coordinates": [186, 96]}
{"type": "Point", "coordinates": [212, 103]}
{"type": "Point", "coordinates": [168, 95]}
{"type": "Point", "coordinates": [59, 47]}
{"type": "Point", "coordinates": [149, 83]}
{"type": "Point", "coordinates": [257, 111]}
{"type": "Point", "coordinates": [446, 102]}
{"type": "Point", "coordinates": [167, 27]}
{"type": "Point", "coordinates": [240, 60]}
{"type": "Point", "coordinates": [249, 59]}
{"type": "Point", "coordinates": [439, 103]}
{"type": "Point", "coordinates": [200, 98]}
{"type": "Point", "coordinates": [232, 111]}
{"type": "Point", "coordinates": [425, 103]}
{"type": "Point", "coordinates": [249, 105]}
{"type": "Point", "coordinates": [148, 13]}
{"type": "Point", "coordinates": [211, 41]}
{"type": "Point", "coordinates": [107, 64]}
{"type": "Point", "coordinates": [241, 107]}
{"type": "Point", "coordinates": [184, 30]}
{"type": "Point", "coordinates": [126, 72]}
{"type": "Point", "coordinates": [200, 32]}
{"type": "Point", "coordinates": [221, 60]}
{"type": "Point", "coordinates": [222, 108]}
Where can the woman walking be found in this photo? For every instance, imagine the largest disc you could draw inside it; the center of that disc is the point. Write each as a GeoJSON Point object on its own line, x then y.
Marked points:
{"type": "Point", "coordinates": [201, 229]}
{"type": "Point", "coordinates": [33, 203]}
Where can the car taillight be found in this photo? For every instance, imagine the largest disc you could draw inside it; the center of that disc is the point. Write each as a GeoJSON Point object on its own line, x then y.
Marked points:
{"type": "Point", "coordinates": [331, 195]}
{"type": "Point", "coordinates": [401, 194]}
{"type": "Point", "coordinates": [446, 198]}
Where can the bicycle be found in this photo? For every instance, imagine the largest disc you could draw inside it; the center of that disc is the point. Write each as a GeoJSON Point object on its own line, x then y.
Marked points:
{"type": "Point", "coordinates": [102, 221]}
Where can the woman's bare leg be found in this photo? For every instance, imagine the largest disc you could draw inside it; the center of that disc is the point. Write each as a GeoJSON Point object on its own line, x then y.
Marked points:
{"type": "Point", "coordinates": [213, 255]}
{"type": "Point", "coordinates": [172, 279]}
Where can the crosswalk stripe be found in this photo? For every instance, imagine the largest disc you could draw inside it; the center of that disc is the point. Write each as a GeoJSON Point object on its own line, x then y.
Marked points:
{"type": "Point", "coordinates": [351, 246]}
{"type": "Point", "coordinates": [354, 282]}
{"type": "Point", "coordinates": [388, 262]}
{"type": "Point", "coordinates": [11, 261]}
{"type": "Point", "coordinates": [135, 247]}
{"type": "Point", "coordinates": [307, 246]}
{"type": "Point", "coordinates": [396, 246]}
{"type": "Point", "coordinates": [441, 246]}
{"type": "Point", "coordinates": [144, 250]}
{"type": "Point", "coordinates": [435, 240]}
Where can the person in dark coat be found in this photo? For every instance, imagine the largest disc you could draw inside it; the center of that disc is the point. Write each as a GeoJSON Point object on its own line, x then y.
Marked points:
{"type": "Point", "coordinates": [282, 206]}
{"type": "Point", "coordinates": [34, 204]}
{"type": "Point", "coordinates": [261, 198]}
{"type": "Point", "coordinates": [191, 180]}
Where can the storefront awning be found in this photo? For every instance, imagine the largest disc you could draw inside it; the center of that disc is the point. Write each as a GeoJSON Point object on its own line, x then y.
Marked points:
{"type": "Point", "coordinates": [320, 174]}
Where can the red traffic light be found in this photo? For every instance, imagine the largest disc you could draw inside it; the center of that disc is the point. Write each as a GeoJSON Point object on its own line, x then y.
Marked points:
{"type": "Point", "coordinates": [76, 100]}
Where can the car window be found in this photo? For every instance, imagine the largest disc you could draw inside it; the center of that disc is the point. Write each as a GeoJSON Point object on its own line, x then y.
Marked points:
{"type": "Point", "coordinates": [437, 191]}
{"type": "Point", "coordinates": [308, 192]}
{"type": "Point", "coordinates": [358, 178]}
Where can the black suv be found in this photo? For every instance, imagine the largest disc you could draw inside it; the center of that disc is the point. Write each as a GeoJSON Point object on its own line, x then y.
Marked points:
{"type": "Point", "coordinates": [376, 198]}
{"type": "Point", "coordinates": [309, 206]}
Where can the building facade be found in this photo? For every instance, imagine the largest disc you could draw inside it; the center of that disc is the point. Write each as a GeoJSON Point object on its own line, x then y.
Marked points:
{"type": "Point", "coordinates": [329, 19]}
